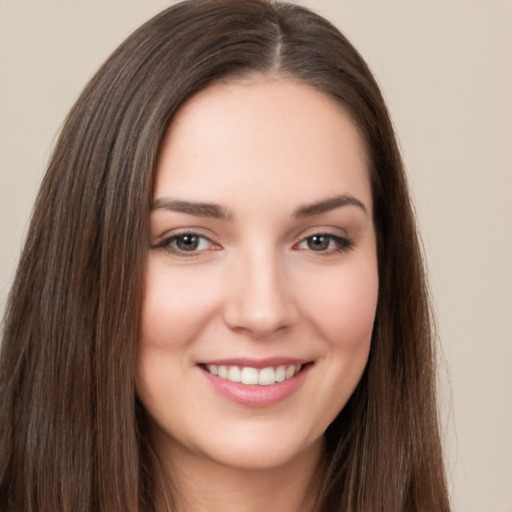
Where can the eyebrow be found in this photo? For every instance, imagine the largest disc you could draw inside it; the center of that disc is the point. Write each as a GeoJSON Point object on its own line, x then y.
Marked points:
{"type": "Point", "coordinates": [192, 208]}
{"type": "Point", "coordinates": [216, 211]}
{"type": "Point", "coordinates": [327, 205]}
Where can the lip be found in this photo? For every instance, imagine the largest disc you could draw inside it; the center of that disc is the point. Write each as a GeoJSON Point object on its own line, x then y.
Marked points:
{"type": "Point", "coordinates": [254, 395]}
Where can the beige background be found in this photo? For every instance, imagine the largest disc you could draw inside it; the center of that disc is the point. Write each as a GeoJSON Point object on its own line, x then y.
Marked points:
{"type": "Point", "coordinates": [445, 69]}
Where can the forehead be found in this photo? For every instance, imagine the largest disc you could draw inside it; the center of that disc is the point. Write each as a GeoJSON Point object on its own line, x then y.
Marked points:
{"type": "Point", "coordinates": [258, 135]}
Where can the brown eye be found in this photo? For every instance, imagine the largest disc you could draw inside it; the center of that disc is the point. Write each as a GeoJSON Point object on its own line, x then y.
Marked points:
{"type": "Point", "coordinates": [318, 242]}
{"type": "Point", "coordinates": [325, 243]}
{"type": "Point", "coordinates": [187, 242]}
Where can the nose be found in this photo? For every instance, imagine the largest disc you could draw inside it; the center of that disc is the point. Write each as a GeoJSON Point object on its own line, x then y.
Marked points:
{"type": "Point", "coordinates": [260, 296]}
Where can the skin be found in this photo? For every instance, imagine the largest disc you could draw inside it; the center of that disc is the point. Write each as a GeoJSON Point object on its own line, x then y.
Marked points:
{"type": "Point", "coordinates": [255, 286]}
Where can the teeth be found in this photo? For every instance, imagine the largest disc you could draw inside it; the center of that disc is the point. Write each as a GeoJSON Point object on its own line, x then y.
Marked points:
{"type": "Point", "coordinates": [234, 374]}
{"type": "Point", "coordinates": [290, 372]}
{"type": "Point", "coordinates": [266, 376]}
{"type": "Point", "coordinates": [249, 375]}
{"type": "Point", "coordinates": [280, 373]}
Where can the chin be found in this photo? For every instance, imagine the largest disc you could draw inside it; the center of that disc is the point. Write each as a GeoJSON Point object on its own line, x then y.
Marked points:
{"type": "Point", "coordinates": [264, 453]}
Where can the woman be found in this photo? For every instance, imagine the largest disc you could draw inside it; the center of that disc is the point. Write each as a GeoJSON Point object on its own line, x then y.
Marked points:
{"type": "Point", "coordinates": [221, 300]}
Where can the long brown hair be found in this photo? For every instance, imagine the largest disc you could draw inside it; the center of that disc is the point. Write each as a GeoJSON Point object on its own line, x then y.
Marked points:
{"type": "Point", "coordinates": [73, 433]}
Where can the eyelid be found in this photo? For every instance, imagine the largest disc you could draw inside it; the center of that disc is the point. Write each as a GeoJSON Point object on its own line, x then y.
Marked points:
{"type": "Point", "coordinates": [323, 229]}
{"type": "Point", "coordinates": [344, 241]}
{"type": "Point", "coordinates": [165, 241]}
{"type": "Point", "coordinates": [186, 230]}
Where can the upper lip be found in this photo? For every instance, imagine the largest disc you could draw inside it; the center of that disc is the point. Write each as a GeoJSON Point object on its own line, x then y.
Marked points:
{"type": "Point", "coordinates": [256, 363]}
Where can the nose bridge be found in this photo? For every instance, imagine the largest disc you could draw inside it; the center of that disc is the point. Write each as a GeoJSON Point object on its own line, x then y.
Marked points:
{"type": "Point", "coordinates": [261, 299]}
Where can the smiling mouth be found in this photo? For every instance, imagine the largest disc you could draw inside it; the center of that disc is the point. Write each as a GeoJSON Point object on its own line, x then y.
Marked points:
{"type": "Point", "coordinates": [251, 376]}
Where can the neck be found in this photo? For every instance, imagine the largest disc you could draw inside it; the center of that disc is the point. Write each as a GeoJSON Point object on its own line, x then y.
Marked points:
{"type": "Point", "coordinates": [205, 486]}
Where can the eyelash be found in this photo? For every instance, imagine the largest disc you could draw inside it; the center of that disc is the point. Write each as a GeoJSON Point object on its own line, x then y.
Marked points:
{"type": "Point", "coordinates": [168, 244]}
{"type": "Point", "coordinates": [342, 244]}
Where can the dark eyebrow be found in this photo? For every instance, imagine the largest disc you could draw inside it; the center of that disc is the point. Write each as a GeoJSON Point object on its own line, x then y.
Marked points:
{"type": "Point", "coordinates": [192, 208]}
{"type": "Point", "coordinates": [218, 212]}
{"type": "Point", "coordinates": [326, 205]}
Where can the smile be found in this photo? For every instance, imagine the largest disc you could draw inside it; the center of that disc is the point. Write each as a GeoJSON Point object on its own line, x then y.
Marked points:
{"type": "Point", "coordinates": [256, 383]}
{"type": "Point", "coordinates": [251, 376]}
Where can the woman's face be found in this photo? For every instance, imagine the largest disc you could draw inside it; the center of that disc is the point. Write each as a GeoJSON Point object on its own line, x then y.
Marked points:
{"type": "Point", "coordinates": [262, 268]}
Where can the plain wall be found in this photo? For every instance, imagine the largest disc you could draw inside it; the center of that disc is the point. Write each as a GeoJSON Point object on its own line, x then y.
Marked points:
{"type": "Point", "coordinates": [445, 70]}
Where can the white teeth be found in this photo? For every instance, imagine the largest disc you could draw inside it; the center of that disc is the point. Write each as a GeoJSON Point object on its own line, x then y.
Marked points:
{"type": "Point", "coordinates": [280, 373]}
{"type": "Point", "coordinates": [249, 375]}
{"type": "Point", "coordinates": [266, 376]}
{"type": "Point", "coordinates": [234, 374]}
{"type": "Point", "coordinates": [290, 372]}
{"type": "Point", "coordinates": [223, 372]}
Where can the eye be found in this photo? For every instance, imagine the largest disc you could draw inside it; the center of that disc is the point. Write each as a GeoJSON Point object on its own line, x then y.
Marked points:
{"type": "Point", "coordinates": [186, 244]}
{"type": "Point", "coordinates": [325, 243]}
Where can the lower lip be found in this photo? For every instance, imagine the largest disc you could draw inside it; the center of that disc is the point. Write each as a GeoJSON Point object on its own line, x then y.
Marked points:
{"type": "Point", "coordinates": [255, 395]}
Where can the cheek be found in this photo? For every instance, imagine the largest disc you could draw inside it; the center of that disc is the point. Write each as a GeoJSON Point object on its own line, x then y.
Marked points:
{"type": "Point", "coordinates": [343, 311]}
{"type": "Point", "coordinates": [340, 306]}
{"type": "Point", "coordinates": [175, 306]}
{"type": "Point", "coordinates": [343, 306]}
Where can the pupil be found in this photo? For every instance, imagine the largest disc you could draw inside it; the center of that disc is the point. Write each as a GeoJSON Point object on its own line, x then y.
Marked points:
{"type": "Point", "coordinates": [318, 243]}
{"type": "Point", "coordinates": [187, 242]}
